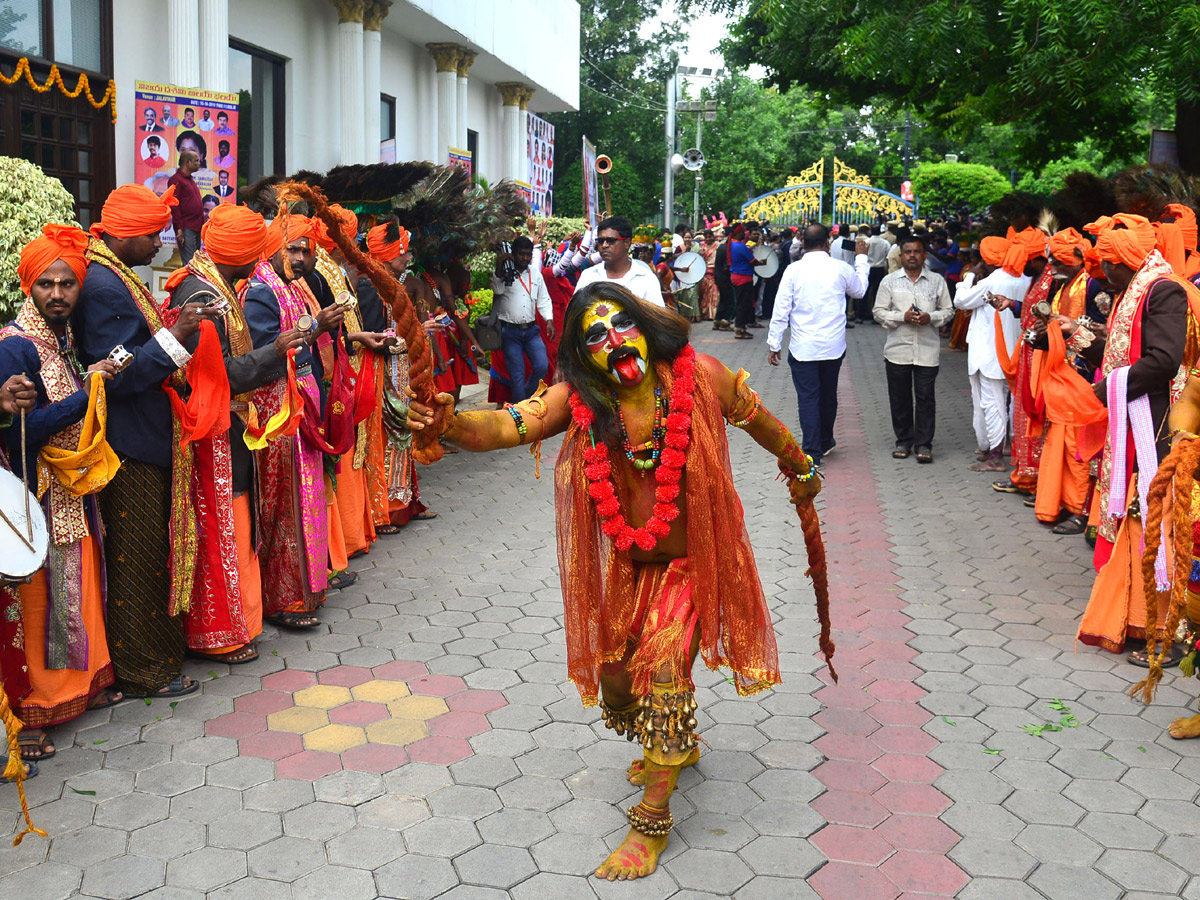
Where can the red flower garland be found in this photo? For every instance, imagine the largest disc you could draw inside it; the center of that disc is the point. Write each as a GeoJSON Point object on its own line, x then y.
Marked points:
{"type": "Point", "coordinates": [598, 467]}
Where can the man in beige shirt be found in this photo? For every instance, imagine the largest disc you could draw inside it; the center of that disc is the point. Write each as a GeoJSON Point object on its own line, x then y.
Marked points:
{"type": "Point", "coordinates": [912, 304]}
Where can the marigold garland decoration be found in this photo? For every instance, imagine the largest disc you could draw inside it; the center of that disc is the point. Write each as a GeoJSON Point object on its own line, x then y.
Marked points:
{"type": "Point", "coordinates": [82, 86]}
{"type": "Point", "coordinates": [668, 473]}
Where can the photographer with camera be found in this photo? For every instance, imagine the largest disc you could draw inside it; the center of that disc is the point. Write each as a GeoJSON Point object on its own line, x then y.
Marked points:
{"type": "Point", "coordinates": [519, 297]}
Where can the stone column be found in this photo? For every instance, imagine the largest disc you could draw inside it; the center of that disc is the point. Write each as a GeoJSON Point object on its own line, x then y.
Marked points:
{"type": "Point", "coordinates": [523, 135]}
{"type": "Point", "coordinates": [350, 56]}
{"type": "Point", "coordinates": [214, 45]}
{"type": "Point", "coordinates": [183, 22]}
{"type": "Point", "coordinates": [445, 57]}
{"type": "Point", "coordinates": [510, 94]}
{"type": "Point", "coordinates": [465, 58]}
{"type": "Point", "coordinates": [373, 18]}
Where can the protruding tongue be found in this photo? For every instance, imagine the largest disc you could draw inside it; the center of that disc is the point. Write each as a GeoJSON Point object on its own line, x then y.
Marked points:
{"type": "Point", "coordinates": [627, 368]}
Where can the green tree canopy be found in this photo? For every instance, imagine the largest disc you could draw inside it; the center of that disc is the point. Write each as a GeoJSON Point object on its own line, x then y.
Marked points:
{"type": "Point", "coordinates": [945, 187]}
{"type": "Point", "coordinates": [1058, 71]}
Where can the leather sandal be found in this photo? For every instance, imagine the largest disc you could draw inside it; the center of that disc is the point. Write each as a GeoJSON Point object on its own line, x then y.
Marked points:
{"type": "Point", "coordinates": [901, 452]}
{"type": "Point", "coordinates": [1070, 525]}
{"type": "Point", "coordinates": [924, 454]}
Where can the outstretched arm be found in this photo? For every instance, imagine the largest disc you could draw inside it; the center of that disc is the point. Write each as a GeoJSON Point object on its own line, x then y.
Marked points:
{"type": "Point", "coordinates": [544, 415]}
{"type": "Point", "coordinates": [743, 409]}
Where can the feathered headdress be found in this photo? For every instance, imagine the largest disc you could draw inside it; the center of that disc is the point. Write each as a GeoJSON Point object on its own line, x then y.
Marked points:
{"type": "Point", "coordinates": [1147, 190]}
{"type": "Point", "coordinates": [360, 188]}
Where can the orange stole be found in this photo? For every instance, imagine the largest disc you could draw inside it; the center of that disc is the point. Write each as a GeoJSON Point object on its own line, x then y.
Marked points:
{"type": "Point", "coordinates": [374, 463]}
{"type": "Point", "coordinates": [58, 695]}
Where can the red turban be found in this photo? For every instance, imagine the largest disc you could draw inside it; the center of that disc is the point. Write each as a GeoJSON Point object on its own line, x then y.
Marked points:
{"type": "Point", "coordinates": [135, 211]}
{"type": "Point", "coordinates": [1177, 238]}
{"type": "Point", "coordinates": [297, 227]}
{"type": "Point", "coordinates": [380, 248]}
{"type": "Point", "coordinates": [234, 235]}
{"type": "Point", "coordinates": [1068, 247]}
{"type": "Point", "coordinates": [65, 242]}
{"type": "Point", "coordinates": [1124, 239]}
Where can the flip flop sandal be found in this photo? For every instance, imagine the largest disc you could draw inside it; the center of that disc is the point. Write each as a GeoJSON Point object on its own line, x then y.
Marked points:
{"type": "Point", "coordinates": [1004, 486]}
{"type": "Point", "coordinates": [901, 452]}
{"type": "Point", "coordinates": [241, 655]}
{"type": "Point", "coordinates": [1031, 502]}
{"type": "Point", "coordinates": [1070, 525]}
{"type": "Point", "coordinates": [387, 529]}
{"type": "Point", "coordinates": [743, 335]}
{"type": "Point", "coordinates": [423, 516]}
{"type": "Point", "coordinates": [342, 580]}
{"type": "Point", "coordinates": [1140, 658]}
{"type": "Point", "coordinates": [294, 620]}
{"type": "Point", "coordinates": [31, 771]}
{"type": "Point", "coordinates": [176, 687]}
{"type": "Point", "coordinates": [111, 698]}
{"type": "Point", "coordinates": [924, 455]}
{"type": "Point", "coordinates": [37, 743]}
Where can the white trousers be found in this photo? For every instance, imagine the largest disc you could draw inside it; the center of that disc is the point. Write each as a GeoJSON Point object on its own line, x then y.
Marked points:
{"type": "Point", "coordinates": [990, 398]}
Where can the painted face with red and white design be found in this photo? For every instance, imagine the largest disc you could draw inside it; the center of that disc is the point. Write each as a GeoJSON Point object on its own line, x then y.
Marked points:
{"type": "Point", "coordinates": [615, 342]}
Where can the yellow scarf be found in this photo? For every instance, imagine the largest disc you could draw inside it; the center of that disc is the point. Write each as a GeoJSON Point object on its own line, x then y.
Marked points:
{"type": "Point", "coordinates": [92, 464]}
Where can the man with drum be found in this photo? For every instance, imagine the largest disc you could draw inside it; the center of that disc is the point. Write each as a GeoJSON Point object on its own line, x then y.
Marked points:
{"type": "Point", "coordinates": [61, 609]}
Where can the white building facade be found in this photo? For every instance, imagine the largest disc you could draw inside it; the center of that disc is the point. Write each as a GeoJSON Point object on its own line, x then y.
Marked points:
{"type": "Point", "coordinates": [330, 80]}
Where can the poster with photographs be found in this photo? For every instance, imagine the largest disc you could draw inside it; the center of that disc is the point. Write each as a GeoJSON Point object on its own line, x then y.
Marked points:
{"type": "Point", "coordinates": [169, 120]}
{"type": "Point", "coordinates": [539, 153]}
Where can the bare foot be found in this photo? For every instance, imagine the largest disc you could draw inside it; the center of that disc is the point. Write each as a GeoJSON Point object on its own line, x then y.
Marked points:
{"type": "Point", "coordinates": [989, 465]}
{"type": "Point", "coordinates": [637, 774]}
{"type": "Point", "coordinates": [1185, 728]}
{"type": "Point", "coordinates": [635, 858]}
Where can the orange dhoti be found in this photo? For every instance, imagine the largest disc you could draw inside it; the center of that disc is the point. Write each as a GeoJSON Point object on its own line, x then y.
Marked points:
{"type": "Point", "coordinates": [1063, 480]}
{"type": "Point", "coordinates": [358, 527]}
{"type": "Point", "coordinates": [1116, 609]}
{"type": "Point", "coordinates": [58, 695]}
{"type": "Point", "coordinates": [338, 560]}
{"type": "Point", "coordinates": [249, 576]}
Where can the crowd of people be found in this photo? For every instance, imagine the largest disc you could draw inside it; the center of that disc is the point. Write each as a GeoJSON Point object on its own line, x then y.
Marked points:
{"type": "Point", "coordinates": [206, 463]}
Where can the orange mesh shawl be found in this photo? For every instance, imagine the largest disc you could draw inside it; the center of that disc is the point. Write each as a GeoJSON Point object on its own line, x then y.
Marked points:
{"type": "Point", "coordinates": [598, 581]}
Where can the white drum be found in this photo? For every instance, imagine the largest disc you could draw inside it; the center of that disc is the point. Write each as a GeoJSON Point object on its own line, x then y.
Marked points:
{"type": "Point", "coordinates": [23, 541]}
{"type": "Point", "coordinates": [689, 268]}
{"type": "Point", "coordinates": [767, 252]}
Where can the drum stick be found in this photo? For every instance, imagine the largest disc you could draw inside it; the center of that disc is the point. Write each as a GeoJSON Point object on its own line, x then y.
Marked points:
{"type": "Point", "coordinates": [25, 479]}
{"type": "Point", "coordinates": [16, 530]}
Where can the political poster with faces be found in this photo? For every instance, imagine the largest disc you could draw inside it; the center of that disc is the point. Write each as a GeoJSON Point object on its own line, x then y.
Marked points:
{"type": "Point", "coordinates": [539, 153]}
{"type": "Point", "coordinates": [169, 120]}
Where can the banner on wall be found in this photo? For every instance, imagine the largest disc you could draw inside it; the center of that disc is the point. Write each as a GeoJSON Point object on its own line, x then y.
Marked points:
{"type": "Point", "coordinates": [460, 158]}
{"type": "Point", "coordinates": [591, 203]}
{"type": "Point", "coordinates": [169, 119]}
{"type": "Point", "coordinates": [539, 164]}
{"type": "Point", "coordinates": [526, 193]}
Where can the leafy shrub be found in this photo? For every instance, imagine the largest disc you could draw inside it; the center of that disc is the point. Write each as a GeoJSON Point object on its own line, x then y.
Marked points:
{"type": "Point", "coordinates": [29, 199]}
{"type": "Point", "coordinates": [944, 187]}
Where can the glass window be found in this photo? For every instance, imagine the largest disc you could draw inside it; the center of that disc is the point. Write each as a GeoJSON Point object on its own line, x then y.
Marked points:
{"type": "Point", "coordinates": [77, 33]}
{"type": "Point", "coordinates": [387, 117]}
{"type": "Point", "coordinates": [21, 26]}
{"type": "Point", "coordinates": [258, 79]}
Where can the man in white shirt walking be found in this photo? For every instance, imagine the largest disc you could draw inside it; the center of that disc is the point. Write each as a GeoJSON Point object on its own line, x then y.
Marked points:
{"type": "Point", "coordinates": [991, 301]}
{"type": "Point", "coordinates": [812, 303]}
{"type": "Point", "coordinates": [518, 305]}
{"type": "Point", "coordinates": [912, 304]}
{"type": "Point", "coordinates": [613, 237]}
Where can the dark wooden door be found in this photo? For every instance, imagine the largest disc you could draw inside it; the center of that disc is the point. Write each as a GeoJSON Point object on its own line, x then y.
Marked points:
{"type": "Point", "coordinates": [68, 138]}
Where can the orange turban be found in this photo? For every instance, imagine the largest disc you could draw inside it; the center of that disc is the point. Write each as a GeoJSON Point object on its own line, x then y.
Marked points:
{"type": "Point", "coordinates": [380, 248]}
{"type": "Point", "coordinates": [1068, 246]}
{"type": "Point", "coordinates": [1014, 250]}
{"type": "Point", "coordinates": [1091, 262]}
{"type": "Point", "coordinates": [348, 220]}
{"type": "Point", "coordinates": [297, 227]}
{"type": "Point", "coordinates": [1124, 239]}
{"type": "Point", "coordinates": [1177, 238]}
{"type": "Point", "coordinates": [992, 249]}
{"type": "Point", "coordinates": [65, 242]}
{"type": "Point", "coordinates": [134, 211]}
{"type": "Point", "coordinates": [234, 235]}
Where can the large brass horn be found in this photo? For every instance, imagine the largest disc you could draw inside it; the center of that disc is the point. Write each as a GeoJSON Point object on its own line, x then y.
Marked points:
{"type": "Point", "coordinates": [603, 167]}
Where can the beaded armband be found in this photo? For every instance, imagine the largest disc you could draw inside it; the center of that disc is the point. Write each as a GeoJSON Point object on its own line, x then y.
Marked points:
{"type": "Point", "coordinates": [807, 476]}
{"type": "Point", "coordinates": [1080, 340]}
{"type": "Point", "coordinates": [517, 418]}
